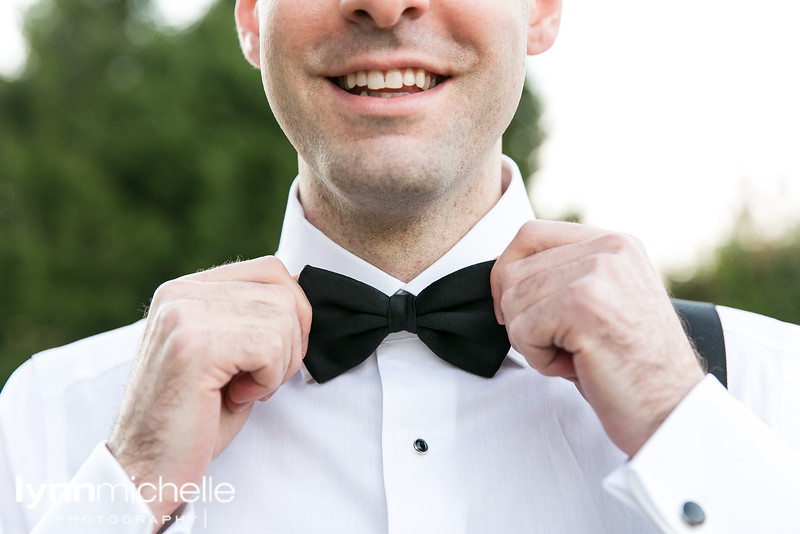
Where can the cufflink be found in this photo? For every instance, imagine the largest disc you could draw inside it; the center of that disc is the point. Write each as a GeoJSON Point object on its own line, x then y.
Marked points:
{"type": "Point", "coordinates": [693, 514]}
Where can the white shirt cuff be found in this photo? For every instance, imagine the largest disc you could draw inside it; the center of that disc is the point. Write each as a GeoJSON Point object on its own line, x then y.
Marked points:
{"type": "Point", "coordinates": [101, 498]}
{"type": "Point", "coordinates": [715, 453]}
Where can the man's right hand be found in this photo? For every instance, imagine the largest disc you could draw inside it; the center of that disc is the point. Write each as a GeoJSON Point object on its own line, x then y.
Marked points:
{"type": "Point", "coordinates": [215, 342]}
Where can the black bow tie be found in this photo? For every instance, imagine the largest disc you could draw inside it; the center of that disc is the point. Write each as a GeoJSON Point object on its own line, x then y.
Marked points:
{"type": "Point", "coordinates": [454, 317]}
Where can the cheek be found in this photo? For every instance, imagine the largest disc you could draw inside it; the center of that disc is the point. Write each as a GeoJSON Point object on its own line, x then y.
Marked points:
{"type": "Point", "coordinates": [487, 19]}
{"type": "Point", "coordinates": [291, 32]}
{"type": "Point", "coordinates": [502, 75]}
{"type": "Point", "coordinates": [290, 24]}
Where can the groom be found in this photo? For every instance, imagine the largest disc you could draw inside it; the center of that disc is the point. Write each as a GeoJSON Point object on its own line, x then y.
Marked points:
{"type": "Point", "coordinates": [601, 408]}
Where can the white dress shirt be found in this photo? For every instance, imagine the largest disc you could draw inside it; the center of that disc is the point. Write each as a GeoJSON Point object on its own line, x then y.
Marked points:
{"type": "Point", "coordinates": [516, 453]}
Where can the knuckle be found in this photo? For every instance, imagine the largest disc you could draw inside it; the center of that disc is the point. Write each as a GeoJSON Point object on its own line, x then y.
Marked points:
{"type": "Point", "coordinates": [284, 319]}
{"type": "Point", "coordinates": [272, 360]}
{"type": "Point", "coordinates": [523, 291]}
{"type": "Point", "coordinates": [517, 329]}
{"type": "Point", "coordinates": [602, 263]}
{"type": "Point", "coordinates": [171, 315]}
{"type": "Point", "coordinates": [508, 273]}
{"type": "Point", "coordinates": [283, 293]}
{"type": "Point", "coordinates": [521, 335]}
{"type": "Point", "coordinates": [273, 265]}
{"type": "Point", "coordinates": [304, 309]}
{"type": "Point", "coordinates": [531, 284]}
{"type": "Point", "coordinates": [583, 295]}
{"type": "Point", "coordinates": [527, 229]}
{"type": "Point", "coordinates": [163, 293]}
{"type": "Point", "coordinates": [171, 291]}
{"type": "Point", "coordinates": [620, 243]}
{"type": "Point", "coordinates": [529, 232]}
{"type": "Point", "coordinates": [183, 344]}
{"type": "Point", "coordinates": [635, 242]}
{"type": "Point", "coordinates": [508, 298]}
{"type": "Point", "coordinates": [274, 346]}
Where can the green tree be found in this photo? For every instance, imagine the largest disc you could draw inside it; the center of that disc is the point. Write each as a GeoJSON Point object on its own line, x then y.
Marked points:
{"type": "Point", "coordinates": [129, 156]}
{"type": "Point", "coordinates": [751, 274]}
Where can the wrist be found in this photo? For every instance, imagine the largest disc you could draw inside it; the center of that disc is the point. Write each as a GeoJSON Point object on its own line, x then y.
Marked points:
{"type": "Point", "coordinates": [667, 406]}
{"type": "Point", "coordinates": [161, 496]}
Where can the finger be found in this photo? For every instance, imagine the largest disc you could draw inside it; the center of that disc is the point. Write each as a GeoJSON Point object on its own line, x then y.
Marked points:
{"type": "Point", "coordinates": [523, 290]}
{"type": "Point", "coordinates": [216, 314]}
{"type": "Point", "coordinates": [241, 392]}
{"type": "Point", "coordinates": [207, 295]}
{"type": "Point", "coordinates": [623, 245]}
{"type": "Point", "coordinates": [208, 358]}
{"type": "Point", "coordinates": [538, 235]}
{"type": "Point", "coordinates": [265, 270]}
{"type": "Point", "coordinates": [541, 334]}
{"type": "Point", "coordinates": [188, 289]}
{"type": "Point", "coordinates": [534, 237]}
{"type": "Point", "coordinates": [260, 369]}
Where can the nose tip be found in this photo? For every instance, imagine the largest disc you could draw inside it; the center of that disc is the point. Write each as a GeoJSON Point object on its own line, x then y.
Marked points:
{"type": "Point", "coordinates": [383, 13]}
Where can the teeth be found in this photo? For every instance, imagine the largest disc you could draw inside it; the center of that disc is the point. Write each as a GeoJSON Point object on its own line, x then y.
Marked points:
{"type": "Point", "coordinates": [394, 79]}
{"type": "Point", "coordinates": [409, 77]}
{"type": "Point", "coordinates": [420, 78]}
{"type": "Point", "coordinates": [374, 82]}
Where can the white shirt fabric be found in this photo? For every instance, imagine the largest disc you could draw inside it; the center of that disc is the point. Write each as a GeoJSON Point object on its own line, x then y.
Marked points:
{"type": "Point", "coordinates": [516, 453]}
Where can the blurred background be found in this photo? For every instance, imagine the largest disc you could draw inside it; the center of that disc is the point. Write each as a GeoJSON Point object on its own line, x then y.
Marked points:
{"type": "Point", "coordinates": [136, 145]}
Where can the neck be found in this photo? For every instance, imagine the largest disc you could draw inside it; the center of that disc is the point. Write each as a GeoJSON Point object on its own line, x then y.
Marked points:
{"type": "Point", "coordinates": [398, 232]}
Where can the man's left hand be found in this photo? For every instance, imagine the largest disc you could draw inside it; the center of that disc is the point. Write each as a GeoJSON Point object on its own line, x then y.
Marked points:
{"type": "Point", "coordinates": [587, 305]}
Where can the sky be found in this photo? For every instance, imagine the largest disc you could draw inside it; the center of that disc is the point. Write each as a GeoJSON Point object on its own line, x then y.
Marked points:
{"type": "Point", "coordinates": [667, 119]}
{"type": "Point", "coordinates": [664, 119]}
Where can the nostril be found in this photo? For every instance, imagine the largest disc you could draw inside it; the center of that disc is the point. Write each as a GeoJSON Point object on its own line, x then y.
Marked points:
{"type": "Point", "coordinates": [384, 14]}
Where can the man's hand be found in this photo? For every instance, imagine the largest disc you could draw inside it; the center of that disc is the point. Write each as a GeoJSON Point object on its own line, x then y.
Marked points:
{"type": "Point", "coordinates": [587, 305]}
{"type": "Point", "coordinates": [215, 342]}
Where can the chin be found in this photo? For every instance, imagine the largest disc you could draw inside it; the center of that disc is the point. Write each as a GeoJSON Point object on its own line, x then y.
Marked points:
{"type": "Point", "coordinates": [392, 190]}
{"type": "Point", "coordinates": [392, 182]}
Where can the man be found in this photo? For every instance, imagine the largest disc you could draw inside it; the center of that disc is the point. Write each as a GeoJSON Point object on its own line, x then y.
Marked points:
{"type": "Point", "coordinates": [396, 109]}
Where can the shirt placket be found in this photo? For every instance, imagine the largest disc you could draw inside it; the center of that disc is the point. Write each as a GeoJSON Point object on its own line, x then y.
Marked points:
{"type": "Point", "coordinates": [418, 438]}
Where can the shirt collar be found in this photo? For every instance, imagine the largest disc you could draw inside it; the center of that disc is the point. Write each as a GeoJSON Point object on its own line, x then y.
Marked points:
{"type": "Point", "coordinates": [303, 244]}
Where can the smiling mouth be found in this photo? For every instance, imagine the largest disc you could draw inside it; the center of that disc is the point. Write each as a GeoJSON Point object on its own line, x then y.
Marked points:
{"type": "Point", "coordinates": [388, 84]}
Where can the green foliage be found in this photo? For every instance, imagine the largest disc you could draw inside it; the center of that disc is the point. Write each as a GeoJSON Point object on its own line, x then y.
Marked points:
{"type": "Point", "coordinates": [523, 137]}
{"type": "Point", "coordinates": [130, 156]}
{"type": "Point", "coordinates": [763, 277]}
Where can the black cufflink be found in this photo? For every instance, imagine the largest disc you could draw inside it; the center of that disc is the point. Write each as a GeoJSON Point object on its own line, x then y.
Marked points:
{"type": "Point", "coordinates": [693, 514]}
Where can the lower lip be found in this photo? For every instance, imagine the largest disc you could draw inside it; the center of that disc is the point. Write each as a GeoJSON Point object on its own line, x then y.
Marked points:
{"type": "Point", "coordinates": [397, 106]}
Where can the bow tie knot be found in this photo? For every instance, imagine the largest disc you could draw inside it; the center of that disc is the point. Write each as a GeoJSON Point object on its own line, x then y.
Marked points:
{"type": "Point", "coordinates": [402, 313]}
{"type": "Point", "coordinates": [454, 317]}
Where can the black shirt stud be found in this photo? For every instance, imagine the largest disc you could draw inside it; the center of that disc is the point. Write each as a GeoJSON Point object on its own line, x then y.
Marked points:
{"type": "Point", "coordinates": [693, 514]}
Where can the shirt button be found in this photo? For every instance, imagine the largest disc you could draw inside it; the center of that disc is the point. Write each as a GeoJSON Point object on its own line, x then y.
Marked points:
{"type": "Point", "coordinates": [693, 514]}
{"type": "Point", "coordinates": [421, 446]}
